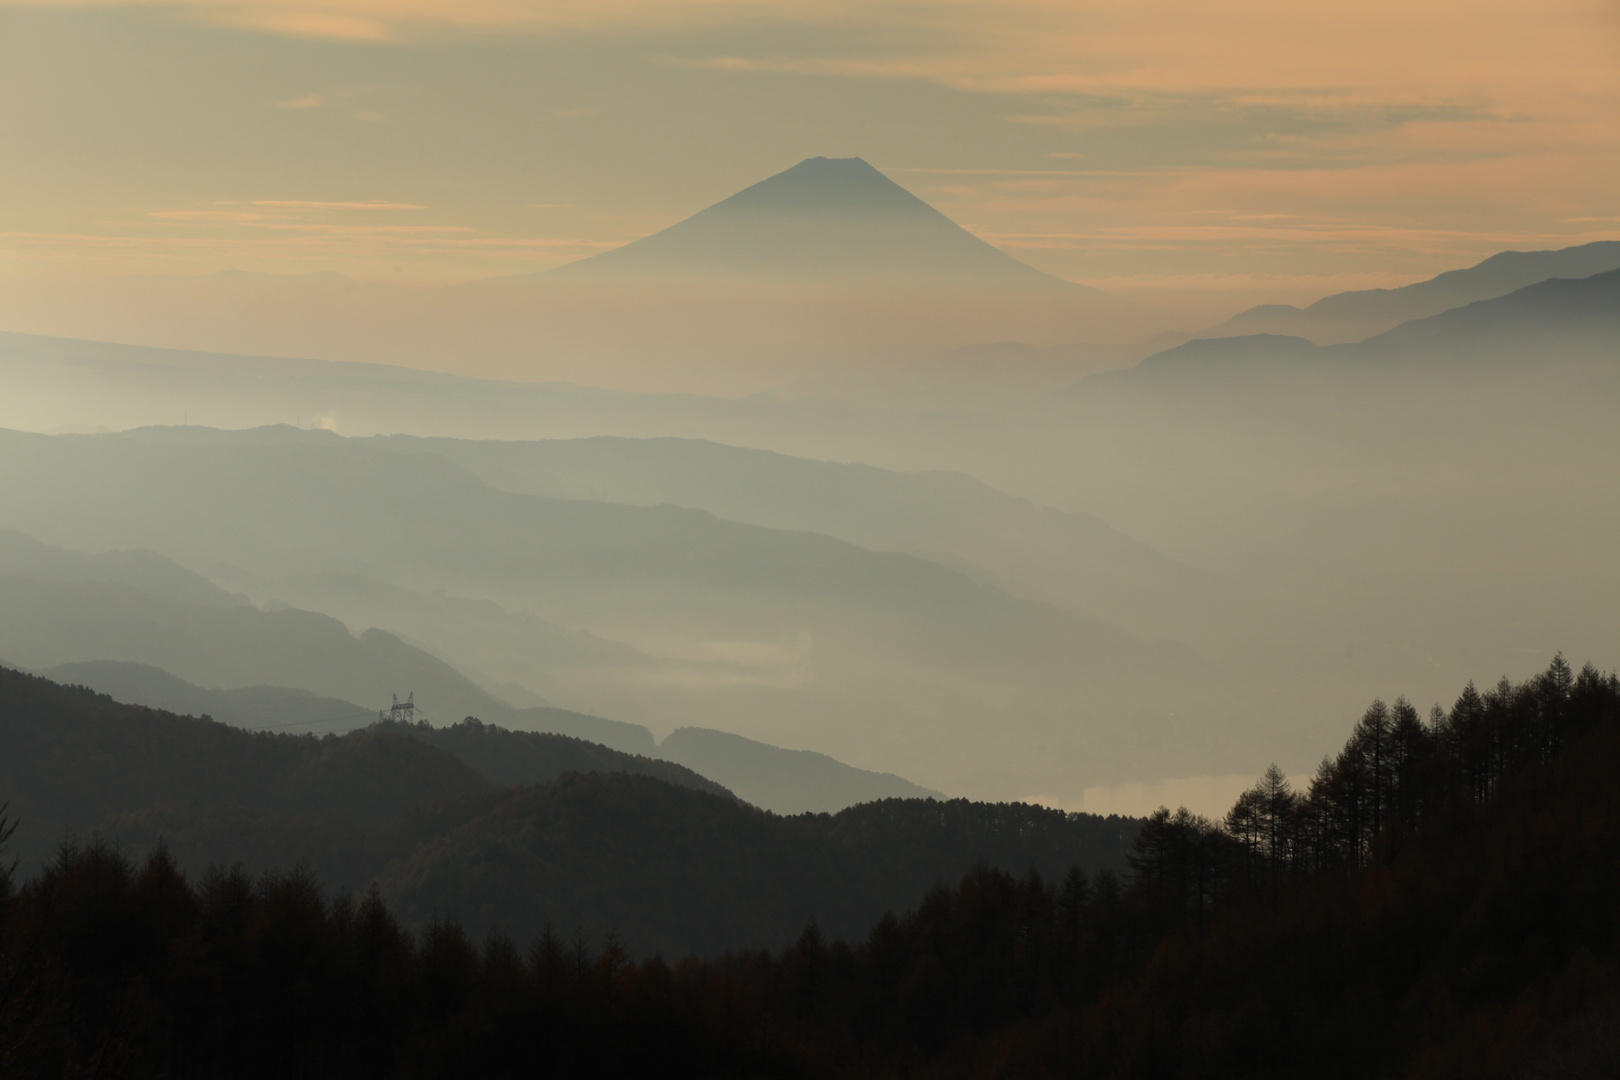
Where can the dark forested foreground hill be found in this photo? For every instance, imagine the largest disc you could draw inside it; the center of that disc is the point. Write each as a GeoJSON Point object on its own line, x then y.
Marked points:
{"type": "Point", "coordinates": [1439, 902]}
{"type": "Point", "coordinates": [503, 828]}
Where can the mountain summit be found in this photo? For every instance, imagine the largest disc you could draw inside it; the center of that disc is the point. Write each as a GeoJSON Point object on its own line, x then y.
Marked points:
{"type": "Point", "coordinates": [826, 220]}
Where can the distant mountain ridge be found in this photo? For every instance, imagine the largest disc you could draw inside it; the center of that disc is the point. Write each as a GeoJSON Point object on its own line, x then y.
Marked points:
{"type": "Point", "coordinates": [270, 708]}
{"type": "Point", "coordinates": [1560, 321]}
{"type": "Point", "coordinates": [1567, 313]}
{"type": "Point", "coordinates": [948, 518]}
{"type": "Point", "coordinates": [791, 781]}
{"type": "Point", "coordinates": [783, 781]}
{"type": "Point", "coordinates": [788, 637]}
{"type": "Point", "coordinates": [51, 623]}
{"type": "Point", "coordinates": [23, 556]}
{"type": "Point", "coordinates": [1353, 316]}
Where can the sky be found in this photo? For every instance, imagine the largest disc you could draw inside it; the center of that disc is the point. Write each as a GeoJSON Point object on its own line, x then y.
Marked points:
{"type": "Point", "coordinates": [1165, 150]}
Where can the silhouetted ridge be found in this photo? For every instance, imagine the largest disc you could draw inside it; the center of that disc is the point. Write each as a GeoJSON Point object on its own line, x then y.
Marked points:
{"type": "Point", "coordinates": [1354, 316]}
{"type": "Point", "coordinates": [1558, 323]}
{"type": "Point", "coordinates": [785, 780]}
{"type": "Point", "coordinates": [1557, 313]}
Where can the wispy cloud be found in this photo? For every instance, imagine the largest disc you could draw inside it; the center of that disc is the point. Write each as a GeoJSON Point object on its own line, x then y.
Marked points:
{"type": "Point", "coordinates": [308, 101]}
{"type": "Point", "coordinates": [396, 20]}
{"type": "Point", "coordinates": [237, 217]}
{"type": "Point", "coordinates": [308, 204]}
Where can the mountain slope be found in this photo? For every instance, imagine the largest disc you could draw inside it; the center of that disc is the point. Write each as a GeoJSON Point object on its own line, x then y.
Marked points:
{"type": "Point", "coordinates": [1553, 320]}
{"type": "Point", "coordinates": [788, 781]}
{"type": "Point", "coordinates": [272, 708]}
{"type": "Point", "coordinates": [1557, 324]}
{"type": "Point", "coordinates": [523, 758]}
{"type": "Point", "coordinates": [45, 624]}
{"type": "Point", "coordinates": [672, 867]}
{"type": "Point", "coordinates": [790, 638]}
{"type": "Point", "coordinates": [70, 758]}
{"type": "Point", "coordinates": [1353, 316]}
{"type": "Point", "coordinates": [1069, 558]}
{"type": "Point", "coordinates": [23, 556]}
{"type": "Point", "coordinates": [513, 758]}
{"type": "Point", "coordinates": [281, 500]}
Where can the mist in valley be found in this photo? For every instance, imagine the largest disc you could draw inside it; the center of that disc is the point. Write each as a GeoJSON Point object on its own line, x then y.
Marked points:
{"type": "Point", "coordinates": [1155, 572]}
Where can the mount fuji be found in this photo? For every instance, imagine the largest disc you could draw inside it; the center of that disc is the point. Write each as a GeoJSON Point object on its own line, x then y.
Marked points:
{"type": "Point", "coordinates": [824, 221]}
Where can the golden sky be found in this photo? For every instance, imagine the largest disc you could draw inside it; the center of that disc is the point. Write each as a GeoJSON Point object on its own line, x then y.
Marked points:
{"type": "Point", "coordinates": [1257, 149]}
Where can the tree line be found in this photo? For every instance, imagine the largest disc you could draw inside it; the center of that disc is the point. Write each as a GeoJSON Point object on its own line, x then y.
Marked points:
{"type": "Point", "coordinates": [1438, 901]}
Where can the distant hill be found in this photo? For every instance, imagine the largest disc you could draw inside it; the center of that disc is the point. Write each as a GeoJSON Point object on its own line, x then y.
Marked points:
{"type": "Point", "coordinates": [1353, 316]}
{"type": "Point", "coordinates": [949, 518]}
{"type": "Point", "coordinates": [522, 758]}
{"type": "Point", "coordinates": [44, 624]}
{"type": "Point", "coordinates": [672, 868]}
{"type": "Point", "coordinates": [1216, 359]}
{"type": "Point", "coordinates": [1559, 318]}
{"type": "Point", "coordinates": [505, 756]}
{"type": "Point", "coordinates": [1558, 324]}
{"type": "Point", "coordinates": [824, 221]}
{"type": "Point", "coordinates": [772, 634]}
{"type": "Point", "coordinates": [120, 622]}
{"type": "Point", "coordinates": [69, 758]}
{"type": "Point", "coordinates": [789, 781]}
{"type": "Point", "coordinates": [271, 708]}
{"type": "Point", "coordinates": [509, 653]}
{"type": "Point", "coordinates": [25, 557]}
{"type": "Point", "coordinates": [784, 781]}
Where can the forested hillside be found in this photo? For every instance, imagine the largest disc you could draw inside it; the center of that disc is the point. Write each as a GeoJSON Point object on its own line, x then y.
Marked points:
{"type": "Point", "coordinates": [504, 828]}
{"type": "Point", "coordinates": [1436, 902]}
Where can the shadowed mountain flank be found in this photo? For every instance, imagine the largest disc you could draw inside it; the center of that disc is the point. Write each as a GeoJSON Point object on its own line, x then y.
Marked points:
{"type": "Point", "coordinates": [1352, 316]}
{"type": "Point", "coordinates": [266, 707]}
{"type": "Point", "coordinates": [90, 625]}
{"type": "Point", "coordinates": [25, 557]}
{"type": "Point", "coordinates": [789, 781]}
{"type": "Point", "coordinates": [1560, 324]}
{"type": "Point", "coordinates": [645, 847]}
{"type": "Point", "coordinates": [1569, 318]}
{"type": "Point", "coordinates": [829, 220]}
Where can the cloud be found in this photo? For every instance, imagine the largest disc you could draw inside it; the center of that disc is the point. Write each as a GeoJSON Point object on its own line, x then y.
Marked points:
{"type": "Point", "coordinates": [308, 101]}
{"type": "Point", "coordinates": [306, 204]}
{"type": "Point", "coordinates": [398, 20]}
{"type": "Point", "coordinates": [208, 216]}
